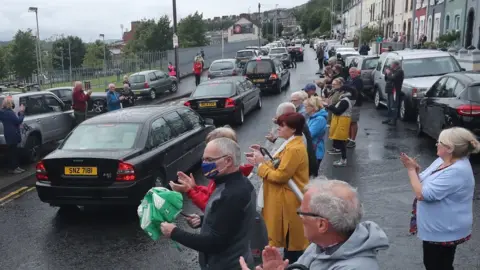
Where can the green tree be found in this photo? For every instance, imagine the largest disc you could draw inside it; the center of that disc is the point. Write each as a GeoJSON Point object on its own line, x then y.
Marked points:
{"type": "Point", "coordinates": [60, 52]}
{"type": "Point", "coordinates": [94, 55]}
{"type": "Point", "coordinates": [151, 36]}
{"type": "Point", "coordinates": [314, 16]}
{"type": "Point", "coordinates": [368, 34]}
{"type": "Point", "coordinates": [23, 58]}
{"type": "Point", "coordinates": [4, 62]}
{"type": "Point", "coordinates": [191, 31]}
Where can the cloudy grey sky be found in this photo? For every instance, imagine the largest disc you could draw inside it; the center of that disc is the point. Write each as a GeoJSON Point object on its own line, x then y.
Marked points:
{"type": "Point", "coordinates": [89, 18]}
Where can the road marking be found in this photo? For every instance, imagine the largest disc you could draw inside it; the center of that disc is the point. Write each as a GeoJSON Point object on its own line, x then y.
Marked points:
{"type": "Point", "coordinates": [15, 195]}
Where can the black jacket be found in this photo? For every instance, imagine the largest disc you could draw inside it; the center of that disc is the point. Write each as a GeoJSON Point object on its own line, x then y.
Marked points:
{"type": "Point", "coordinates": [312, 158]}
{"type": "Point", "coordinates": [226, 225]}
{"type": "Point", "coordinates": [394, 80]}
{"type": "Point", "coordinates": [129, 100]}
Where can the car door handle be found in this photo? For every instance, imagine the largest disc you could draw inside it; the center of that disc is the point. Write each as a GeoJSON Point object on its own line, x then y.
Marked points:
{"type": "Point", "coordinates": [54, 117]}
{"type": "Point", "coordinates": [38, 121]}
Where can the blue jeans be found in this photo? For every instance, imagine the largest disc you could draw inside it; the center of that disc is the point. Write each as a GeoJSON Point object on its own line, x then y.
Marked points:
{"type": "Point", "coordinates": [393, 106]}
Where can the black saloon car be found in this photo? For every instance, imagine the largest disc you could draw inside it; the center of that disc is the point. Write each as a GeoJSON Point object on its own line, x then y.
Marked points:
{"type": "Point", "coordinates": [116, 157]}
{"type": "Point", "coordinates": [298, 52]}
{"type": "Point", "coordinates": [225, 99]}
{"type": "Point", "coordinates": [454, 100]}
{"type": "Point", "coordinates": [268, 74]}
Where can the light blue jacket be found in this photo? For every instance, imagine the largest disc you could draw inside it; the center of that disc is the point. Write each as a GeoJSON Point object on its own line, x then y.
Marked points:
{"type": "Point", "coordinates": [113, 101]}
{"type": "Point", "coordinates": [359, 252]}
{"type": "Point", "coordinates": [445, 213]}
{"type": "Point", "coordinates": [317, 124]}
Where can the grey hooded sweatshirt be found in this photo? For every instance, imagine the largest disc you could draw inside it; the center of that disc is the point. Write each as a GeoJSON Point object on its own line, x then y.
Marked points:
{"type": "Point", "coordinates": [359, 252]}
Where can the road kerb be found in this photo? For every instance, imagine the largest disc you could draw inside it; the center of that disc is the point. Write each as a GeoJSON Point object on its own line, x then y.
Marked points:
{"type": "Point", "coordinates": [13, 193]}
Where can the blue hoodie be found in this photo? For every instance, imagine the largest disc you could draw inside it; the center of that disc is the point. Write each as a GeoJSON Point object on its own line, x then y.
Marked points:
{"type": "Point", "coordinates": [317, 124]}
{"type": "Point", "coordinates": [113, 101]}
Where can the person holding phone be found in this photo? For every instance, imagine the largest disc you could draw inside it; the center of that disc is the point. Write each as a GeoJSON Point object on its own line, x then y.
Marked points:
{"type": "Point", "coordinates": [394, 80]}
{"type": "Point", "coordinates": [11, 122]}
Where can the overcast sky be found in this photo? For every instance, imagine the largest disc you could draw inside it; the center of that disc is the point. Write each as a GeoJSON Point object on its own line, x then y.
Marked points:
{"type": "Point", "coordinates": [89, 18]}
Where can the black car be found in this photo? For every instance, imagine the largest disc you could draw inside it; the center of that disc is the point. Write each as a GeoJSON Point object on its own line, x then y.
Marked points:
{"type": "Point", "coordinates": [96, 105]}
{"type": "Point", "coordinates": [454, 100]}
{"type": "Point", "coordinates": [116, 157]}
{"type": "Point", "coordinates": [225, 99]}
{"type": "Point", "coordinates": [267, 74]}
{"type": "Point", "coordinates": [298, 52]}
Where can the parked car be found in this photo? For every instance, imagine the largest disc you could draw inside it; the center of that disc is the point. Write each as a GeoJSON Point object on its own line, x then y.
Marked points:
{"type": "Point", "coordinates": [267, 74]}
{"type": "Point", "coordinates": [123, 160]}
{"type": "Point", "coordinates": [47, 119]}
{"type": "Point", "coordinates": [225, 99]}
{"type": "Point", "coordinates": [367, 65]}
{"type": "Point", "coordinates": [224, 68]}
{"type": "Point", "coordinates": [96, 105]}
{"type": "Point", "coordinates": [298, 52]}
{"type": "Point", "coordinates": [150, 83]}
{"type": "Point", "coordinates": [281, 54]}
{"type": "Point", "coordinates": [422, 68]}
{"type": "Point", "coordinates": [244, 55]}
{"type": "Point", "coordinates": [453, 100]}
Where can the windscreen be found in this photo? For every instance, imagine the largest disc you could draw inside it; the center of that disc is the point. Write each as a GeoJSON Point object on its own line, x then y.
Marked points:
{"type": "Point", "coordinates": [245, 54]}
{"type": "Point", "coordinates": [370, 63]}
{"type": "Point", "coordinates": [223, 89]}
{"type": "Point", "coordinates": [474, 92]}
{"type": "Point", "coordinates": [278, 51]}
{"type": "Point", "coordinates": [137, 79]}
{"type": "Point", "coordinates": [217, 66]}
{"type": "Point", "coordinates": [435, 66]}
{"type": "Point", "coordinates": [259, 67]}
{"type": "Point", "coordinates": [102, 137]}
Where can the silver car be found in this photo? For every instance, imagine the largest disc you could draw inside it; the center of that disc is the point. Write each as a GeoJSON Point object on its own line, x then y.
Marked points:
{"type": "Point", "coordinates": [224, 68]}
{"type": "Point", "coordinates": [47, 119]}
{"type": "Point", "coordinates": [152, 82]}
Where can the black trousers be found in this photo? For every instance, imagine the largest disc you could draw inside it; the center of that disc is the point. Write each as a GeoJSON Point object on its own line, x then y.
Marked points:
{"type": "Point", "coordinates": [320, 63]}
{"type": "Point", "coordinates": [342, 145]}
{"type": "Point", "coordinates": [438, 257]}
{"type": "Point", "coordinates": [197, 79]}
{"type": "Point", "coordinates": [317, 167]}
{"type": "Point", "coordinates": [291, 256]}
{"type": "Point", "coordinates": [13, 156]}
{"type": "Point", "coordinates": [293, 62]}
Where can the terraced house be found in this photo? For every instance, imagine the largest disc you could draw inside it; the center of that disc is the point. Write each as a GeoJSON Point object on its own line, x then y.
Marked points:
{"type": "Point", "coordinates": [454, 18]}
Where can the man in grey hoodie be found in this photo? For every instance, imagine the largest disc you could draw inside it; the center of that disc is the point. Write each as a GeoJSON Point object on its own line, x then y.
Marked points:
{"type": "Point", "coordinates": [331, 213]}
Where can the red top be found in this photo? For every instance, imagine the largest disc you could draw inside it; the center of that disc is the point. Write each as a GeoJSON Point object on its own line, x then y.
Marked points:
{"type": "Point", "coordinates": [200, 194]}
{"type": "Point", "coordinates": [197, 68]}
{"type": "Point", "coordinates": [79, 100]}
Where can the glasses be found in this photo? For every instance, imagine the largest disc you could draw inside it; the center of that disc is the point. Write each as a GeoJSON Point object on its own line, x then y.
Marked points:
{"type": "Point", "coordinates": [294, 100]}
{"type": "Point", "coordinates": [306, 214]}
{"type": "Point", "coordinates": [213, 159]}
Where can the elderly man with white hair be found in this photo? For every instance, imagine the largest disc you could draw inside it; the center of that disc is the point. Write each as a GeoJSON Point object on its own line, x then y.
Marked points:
{"type": "Point", "coordinates": [297, 98]}
{"type": "Point", "coordinates": [331, 213]}
{"type": "Point", "coordinates": [114, 100]}
{"type": "Point", "coordinates": [289, 107]}
{"type": "Point", "coordinates": [229, 214]}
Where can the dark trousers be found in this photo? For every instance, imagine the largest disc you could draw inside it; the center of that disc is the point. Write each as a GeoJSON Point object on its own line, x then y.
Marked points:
{"type": "Point", "coordinates": [320, 63]}
{"type": "Point", "coordinates": [79, 117]}
{"type": "Point", "coordinates": [12, 156]}
{"type": "Point", "coordinates": [291, 256]}
{"type": "Point", "coordinates": [294, 62]}
{"type": "Point", "coordinates": [393, 106]}
{"type": "Point", "coordinates": [438, 257]}
{"type": "Point", "coordinates": [317, 167]}
{"type": "Point", "coordinates": [342, 145]}
{"type": "Point", "coordinates": [197, 79]}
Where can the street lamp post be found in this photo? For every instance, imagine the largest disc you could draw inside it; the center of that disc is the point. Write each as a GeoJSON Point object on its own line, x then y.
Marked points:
{"type": "Point", "coordinates": [174, 6]}
{"type": "Point", "coordinates": [104, 57]}
{"type": "Point", "coordinates": [261, 28]}
{"type": "Point", "coordinates": [39, 50]}
{"type": "Point", "coordinates": [70, 60]}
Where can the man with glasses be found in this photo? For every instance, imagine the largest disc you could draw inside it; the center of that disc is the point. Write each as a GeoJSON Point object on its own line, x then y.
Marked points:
{"type": "Point", "coordinates": [297, 98]}
{"type": "Point", "coordinates": [229, 214]}
{"type": "Point", "coordinates": [331, 213]}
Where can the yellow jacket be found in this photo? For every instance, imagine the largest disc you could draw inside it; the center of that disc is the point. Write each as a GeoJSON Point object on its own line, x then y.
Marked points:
{"type": "Point", "coordinates": [280, 203]}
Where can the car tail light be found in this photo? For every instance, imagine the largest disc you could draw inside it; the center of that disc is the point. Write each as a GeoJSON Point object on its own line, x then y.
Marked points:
{"type": "Point", "coordinates": [229, 103]}
{"type": "Point", "coordinates": [125, 172]}
{"type": "Point", "coordinates": [145, 85]}
{"type": "Point", "coordinates": [301, 50]}
{"type": "Point", "coordinates": [468, 110]}
{"type": "Point", "coordinates": [187, 104]}
{"type": "Point", "coordinates": [274, 76]}
{"type": "Point", "coordinates": [414, 92]}
{"type": "Point", "coordinates": [41, 172]}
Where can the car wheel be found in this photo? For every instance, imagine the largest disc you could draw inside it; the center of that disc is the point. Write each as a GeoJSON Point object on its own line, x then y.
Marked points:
{"type": "Point", "coordinates": [279, 87]}
{"type": "Point", "coordinates": [159, 180]}
{"type": "Point", "coordinates": [174, 88]}
{"type": "Point", "coordinates": [98, 106]}
{"type": "Point", "coordinates": [376, 99]}
{"type": "Point", "coordinates": [288, 81]}
{"type": "Point", "coordinates": [259, 102]}
{"type": "Point", "coordinates": [403, 110]}
{"type": "Point", "coordinates": [153, 94]}
{"type": "Point", "coordinates": [419, 126]}
{"type": "Point", "coordinates": [240, 117]}
{"type": "Point", "coordinates": [33, 149]}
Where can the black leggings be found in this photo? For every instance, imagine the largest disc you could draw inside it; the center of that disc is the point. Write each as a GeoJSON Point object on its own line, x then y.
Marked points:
{"type": "Point", "coordinates": [342, 146]}
{"type": "Point", "coordinates": [438, 257]}
{"type": "Point", "coordinates": [13, 156]}
{"type": "Point", "coordinates": [317, 167]}
{"type": "Point", "coordinates": [292, 256]}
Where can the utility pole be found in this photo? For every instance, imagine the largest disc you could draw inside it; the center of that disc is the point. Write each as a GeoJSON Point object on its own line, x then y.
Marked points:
{"type": "Point", "coordinates": [39, 50]}
{"type": "Point", "coordinates": [331, 18]}
{"type": "Point", "coordinates": [361, 25]}
{"type": "Point", "coordinates": [223, 36]}
{"type": "Point", "coordinates": [63, 65]}
{"type": "Point", "coordinates": [70, 59]}
{"type": "Point", "coordinates": [414, 8]}
{"type": "Point", "coordinates": [104, 59]}
{"type": "Point", "coordinates": [174, 4]}
{"type": "Point", "coordinates": [259, 30]}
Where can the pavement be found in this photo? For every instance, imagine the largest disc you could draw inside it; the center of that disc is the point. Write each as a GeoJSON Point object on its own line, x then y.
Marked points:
{"type": "Point", "coordinates": [37, 236]}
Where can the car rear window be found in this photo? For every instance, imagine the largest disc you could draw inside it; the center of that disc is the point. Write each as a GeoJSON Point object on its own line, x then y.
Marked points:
{"type": "Point", "coordinates": [474, 93]}
{"type": "Point", "coordinates": [107, 136]}
{"type": "Point", "coordinates": [222, 66]}
{"type": "Point", "coordinates": [224, 89]}
{"type": "Point", "coordinates": [259, 67]}
{"type": "Point", "coordinates": [245, 54]}
{"type": "Point", "coordinates": [278, 51]}
{"type": "Point", "coordinates": [137, 79]}
{"type": "Point", "coordinates": [370, 63]}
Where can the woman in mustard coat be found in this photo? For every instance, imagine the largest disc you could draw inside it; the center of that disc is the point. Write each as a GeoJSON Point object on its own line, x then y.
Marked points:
{"type": "Point", "coordinates": [280, 203]}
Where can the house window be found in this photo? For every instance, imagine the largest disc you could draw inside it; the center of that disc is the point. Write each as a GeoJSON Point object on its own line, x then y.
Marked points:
{"type": "Point", "coordinates": [447, 23]}
{"type": "Point", "coordinates": [436, 29]}
{"type": "Point", "coordinates": [429, 28]}
{"type": "Point", "coordinates": [456, 22]}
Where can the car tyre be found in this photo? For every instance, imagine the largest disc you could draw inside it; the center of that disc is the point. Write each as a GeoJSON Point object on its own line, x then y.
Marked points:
{"type": "Point", "coordinates": [279, 87]}
{"type": "Point", "coordinates": [33, 149]}
{"type": "Point", "coordinates": [240, 117]}
{"type": "Point", "coordinates": [419, 130]}
{"type": "Point", "coordinates": [98, 106]}
{"type": "Point", "coordinates": [153, 94]}
{"type": "Point", "coordinates": [174, 88]}
{"type": "Point", "coordinates": [259, 102]}
{"type": "Point", "coordinates": [288, 81]}
{"type": "Point", "coordinates": [159, 180]}
{"type": "Point", "coordinates": [376, 99]}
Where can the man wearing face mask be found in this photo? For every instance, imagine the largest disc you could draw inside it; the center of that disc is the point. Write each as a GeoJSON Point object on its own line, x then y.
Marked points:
{"type": "Point", "coordinates": [229, 214]}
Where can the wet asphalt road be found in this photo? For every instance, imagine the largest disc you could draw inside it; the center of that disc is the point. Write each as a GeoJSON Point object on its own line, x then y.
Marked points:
{"type": "Point", "coordinates": [37, 236]}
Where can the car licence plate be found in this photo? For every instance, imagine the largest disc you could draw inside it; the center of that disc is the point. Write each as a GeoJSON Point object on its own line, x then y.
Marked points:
{"type": "Point", "coordinates": [207, 104]}
{"type": "Point", "coordinates": [89, 171]}
{"type": "Point", "coordinates": [259, 80]}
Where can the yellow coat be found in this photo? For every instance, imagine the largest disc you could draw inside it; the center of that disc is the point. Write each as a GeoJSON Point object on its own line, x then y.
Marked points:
{"type": "Point", "coordinates": [340, 128]}
{"type": "Point", "coordinates": [280, 203]}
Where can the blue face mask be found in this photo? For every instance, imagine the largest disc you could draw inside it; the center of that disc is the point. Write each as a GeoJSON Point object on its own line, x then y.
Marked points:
{"type": "Point", "coordinates": [209, 169]}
